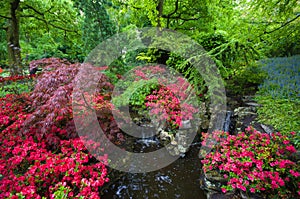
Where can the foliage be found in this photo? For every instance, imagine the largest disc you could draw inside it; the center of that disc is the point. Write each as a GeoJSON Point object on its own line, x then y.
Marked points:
{"type": "Point", "coordinates": [189, 72]}
{"type": "Point", "coordinates": [16, 84]}
{"type": "Point", "coordinates": [254, 162]}
{"type": "Point", "coordinates": [166, 96]}
{"type": "Point", "coordinates": [97, 25]}
{"type": "Point", "coordinates": [169, 103]}
{"type": "Point", "coordinates": [30, 169]}
{"type": "Point", "coordinates": [136, 93]}
{"type": "Point", "coordinates": [45, 28]}
{"type": "Point", "coordinates": [279, 94]}
{"type": "Point", "coordinates": [40, 150]}
{"type": "Point", "coordinates": [135, 85]}
{"type": "Point", "coordinates": [52, 101]}
{"type": "Point", "coordinates": [246, 79]}
{"type": "Point", "coordinates": [283, 114]}
{"type": "Point", "coordinates": [283, 81]}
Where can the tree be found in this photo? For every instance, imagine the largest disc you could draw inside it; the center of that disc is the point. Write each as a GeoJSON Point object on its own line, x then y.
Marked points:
{"type": "Point", "coordinates": [57, 15]}
{"type": "Point", "coordinates": [12, 35]}
{"type": "Point", "coordinates": [97, 25]}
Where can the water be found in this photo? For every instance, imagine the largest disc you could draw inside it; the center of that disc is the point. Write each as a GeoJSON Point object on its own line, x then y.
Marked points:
{"type": "Point", "coordinates": [179, 180]}
{"type": "Point", "coordinates": [227, 122]}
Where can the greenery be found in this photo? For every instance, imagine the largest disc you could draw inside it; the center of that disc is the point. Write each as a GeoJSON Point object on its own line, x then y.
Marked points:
{"type": "Point", "coordinates": [253, 162]}
{"type": "Point", "coordinates": [254, 44]}
{"type": "Point", "coordinates": [16, 88]}
{"type": "Point", "coordinates": [279, 94]}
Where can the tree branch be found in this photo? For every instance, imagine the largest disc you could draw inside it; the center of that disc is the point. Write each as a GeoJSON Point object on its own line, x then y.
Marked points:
{"type": "Point", "coordinates": [5, 17]}
{"type": "Point", "coordinates": [283, 25]}
{"type": "Point", "coordinates": [51, 24]}
{"type": "Point", "coordinates": [35, 10]}
{"type": "Point", "coordinates": [176, 8]}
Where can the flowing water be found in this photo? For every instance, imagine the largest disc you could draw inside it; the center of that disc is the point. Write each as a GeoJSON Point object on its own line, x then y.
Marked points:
{"type": "Point", "coordinates": [179, 180]}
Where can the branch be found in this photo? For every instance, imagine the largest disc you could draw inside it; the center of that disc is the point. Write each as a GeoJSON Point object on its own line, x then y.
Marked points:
{"type": "Point", "coordinates": [5, 17]}
{"type": "Point", "coordinates": [176, 8]}
{"type": "Point", "coordinates": [180, 18]}
{"type": "Point", "coordinates": [51, 24]}
{"type": "Point", "coordinates": [268, 32]}
{"type": "Point", "coordinates": [35, 10]}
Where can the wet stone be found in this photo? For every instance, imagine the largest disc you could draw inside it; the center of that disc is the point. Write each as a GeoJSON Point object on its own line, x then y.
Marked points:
{"type": "Point", "coordinates": [218, 195]}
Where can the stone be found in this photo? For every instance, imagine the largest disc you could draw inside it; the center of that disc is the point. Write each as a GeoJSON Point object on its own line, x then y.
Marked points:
{"type": "Point", "coordinates": [266, 129]}
{"type": "Point", "coordinates": [215, 176]}
{"type": "Point", "coordinates": [254, 104]}
{"type": "Point", "coordinates": [218, 195]}
{"type": "Point", "coordinates": [245, 195]}
{"type": "Point", "coordinates": [182, 149]}
{"type": "Point", "coordinates": [186, 124]}
{"type": "Point", "coordinates": [174, 143]}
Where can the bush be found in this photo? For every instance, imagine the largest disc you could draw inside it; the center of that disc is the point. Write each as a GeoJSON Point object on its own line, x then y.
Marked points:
{"type": "Point", "coordinates": [39, 149]}
{"type": "Point", "coordinates": [16, 84]}
{"type": "Point", "coordinates": [168, 97]}
{"type": "Point", "coordinates": [254, 162]}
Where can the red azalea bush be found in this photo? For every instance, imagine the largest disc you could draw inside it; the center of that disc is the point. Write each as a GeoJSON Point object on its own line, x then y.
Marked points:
{"type": "Point", "coordinates": [15, 78]}
{"type": "Point", "coordinates": [41, 154]}
{"type": "Point", "coordinates": [254, 162]}
{"type": "Point", "coordinates": [168, 103]}
{"type": "Point", "coordinates": [166, 95]}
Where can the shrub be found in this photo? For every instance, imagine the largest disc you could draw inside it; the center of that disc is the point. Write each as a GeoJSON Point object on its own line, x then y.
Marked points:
{"type": "Point", "coordinates": [16, 84]}
{"type": "Point", "coordinates": [39, 149]}
{"type": "Point", "coordinates": [167, 95]}
{"type": "Point", "coordinates": [254, 162]}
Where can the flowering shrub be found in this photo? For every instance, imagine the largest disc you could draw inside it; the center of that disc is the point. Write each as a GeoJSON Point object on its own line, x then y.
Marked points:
{"type": "Point", "coordinates": [16, 84]}
{"type": "Point", "coordinates": [254, 162]}
{"type": "Point", "coordinates": [40, 152]}
{"type": "Point", "coordinates": [52, 102]}
{"type": "Point", "coordinates": [168, 106]}
{"type": "Point", "coordinates": [154, 88]}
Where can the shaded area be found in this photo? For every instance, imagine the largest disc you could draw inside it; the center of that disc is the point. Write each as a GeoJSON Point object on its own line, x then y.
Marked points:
{"type": "Point", "coordinates": [178, 180]}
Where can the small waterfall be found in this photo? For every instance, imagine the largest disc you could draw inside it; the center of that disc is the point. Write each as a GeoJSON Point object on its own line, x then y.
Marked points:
{"type": "Point", "coordinates": [145, 140]}
{"type": "Point", "coordinates": [227, 122]}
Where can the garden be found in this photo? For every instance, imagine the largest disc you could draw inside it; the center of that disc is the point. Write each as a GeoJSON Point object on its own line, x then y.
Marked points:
{"type": "Point", "coordinates": [150, 99]}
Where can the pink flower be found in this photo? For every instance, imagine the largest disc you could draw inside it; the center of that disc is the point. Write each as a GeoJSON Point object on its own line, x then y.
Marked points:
{"type": "Point", "coordinates": [291, 148]}
{"type": "Point", "coordinates": [293, 133]}
{"type": "Point", "coordinates": [295, 173]}
{"type": "Point", "coordinates": [224, 190]}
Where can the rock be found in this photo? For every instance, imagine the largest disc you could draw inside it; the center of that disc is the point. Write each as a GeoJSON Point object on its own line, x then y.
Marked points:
{"type": "Point", "coordinates": [186, 124]}
{"type": "Point", "coordinates": [248, 98]}
{"type": "Point", "coordinates": [266, 129]}
{"type": "Point", "coordinates": [182, 149]}
{"type": "Point", "coordinates": [174, 152]}
{"type": "Point", "coordinates": [251, 195]}
{"type": "Point", "coordinates": [204, 121]}
{"type": "Point", "coordinates": [295, 156]}
{"type": "Point", "coordinates": [254, 104]}
{"type": "Point", "coordinates": [218, 195]}
{"type": "Point", "coordinates": [215, 176]}
{"type": "Point", "coordinates": [211, 186]}
{"type": "Point", "coordinates": [166, 136]}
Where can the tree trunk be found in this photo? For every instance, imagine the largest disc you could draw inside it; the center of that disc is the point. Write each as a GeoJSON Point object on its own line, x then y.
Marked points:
{"type": "Point", "coordinates": [159, 8]}
{"type": "Point", "coordinates": [13, 45]}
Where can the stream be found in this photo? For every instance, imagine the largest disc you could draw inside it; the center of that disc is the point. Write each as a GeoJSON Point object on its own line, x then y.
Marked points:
{"type": "Point", "coordinates": [181, 179]}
